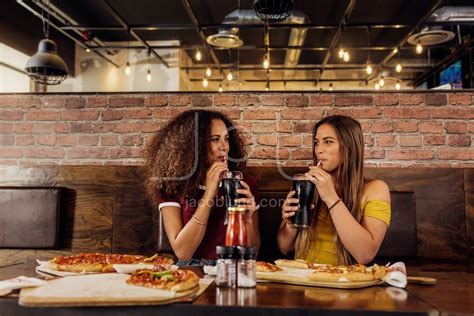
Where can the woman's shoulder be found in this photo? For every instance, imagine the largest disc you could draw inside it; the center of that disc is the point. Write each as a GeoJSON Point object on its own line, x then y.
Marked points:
{"type": "Point", "coordinates": [376, 189]}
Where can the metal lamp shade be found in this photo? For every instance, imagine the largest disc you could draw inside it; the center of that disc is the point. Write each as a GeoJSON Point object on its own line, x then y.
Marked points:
{"type": "Point", "coordinates": [46, 66]}
{"type": "Point", "coordinates": [273, 11]}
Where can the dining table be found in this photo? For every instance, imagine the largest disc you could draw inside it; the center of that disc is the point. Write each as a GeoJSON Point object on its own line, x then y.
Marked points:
{"type": "Point", "coordinates": [453, 294]}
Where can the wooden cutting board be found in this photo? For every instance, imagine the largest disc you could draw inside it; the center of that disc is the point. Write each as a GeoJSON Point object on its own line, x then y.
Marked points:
{"type": "Point", "coordinates": [101, 290]}
{"type": "Point", "coordinates": [300, 279]}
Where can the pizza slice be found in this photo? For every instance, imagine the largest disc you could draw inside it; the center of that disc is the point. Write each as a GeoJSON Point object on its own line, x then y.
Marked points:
{"type": "Point", "coordinates": [267, 267]}
{"type": "Point", "coordinates": [112, 259]}
{"type": "Point", "coordinates": [80, 263]}
{"type": "Point", "coordinates": [288, 263]}
{"type": "Point", "coordinates": [343, 273]}
{"type": "Point", "coordinates": [157, 259]}
{"type": "Point", "coordinates": [177, 280]}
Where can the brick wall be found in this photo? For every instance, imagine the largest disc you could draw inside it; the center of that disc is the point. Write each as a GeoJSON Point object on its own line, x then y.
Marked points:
{"type": "Point", "coordinates": [401, 129]}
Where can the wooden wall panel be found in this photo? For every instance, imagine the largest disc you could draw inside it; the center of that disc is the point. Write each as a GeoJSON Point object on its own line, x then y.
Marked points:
{"type": "Point", "coordinates": [469, 191]}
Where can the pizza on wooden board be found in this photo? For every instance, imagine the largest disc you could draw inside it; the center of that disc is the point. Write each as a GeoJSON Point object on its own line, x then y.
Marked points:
{"type": "Point", "coordinates": [171, 280]}
{"type": "Point", "coordinates": [298, 263]}
{"type": "Point", "coordinates": [343, 273]}
{"type": "Point", "coordinates": [97, 262]}
{"type": "Point", "coordinates": [262, 266]}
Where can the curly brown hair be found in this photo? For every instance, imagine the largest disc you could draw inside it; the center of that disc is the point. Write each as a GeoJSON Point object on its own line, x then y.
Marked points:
{"type": "Point", "coordinates": [173, 167]}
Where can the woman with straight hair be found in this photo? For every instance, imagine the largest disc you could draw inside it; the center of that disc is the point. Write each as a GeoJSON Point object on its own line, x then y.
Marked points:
{"type": "Point", "coordinates": [351, 213]}
{"type": "Point", "coordinates": [185, 161]}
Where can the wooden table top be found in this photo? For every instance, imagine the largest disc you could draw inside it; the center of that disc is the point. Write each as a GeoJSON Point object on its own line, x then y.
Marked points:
{"type": "Point", "coordinates": [453, 294]}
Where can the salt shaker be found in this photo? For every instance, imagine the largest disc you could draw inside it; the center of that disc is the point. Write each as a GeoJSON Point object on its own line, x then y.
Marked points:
{"type": "Point", "coordinates": [226, 267]}
{"type": "Point", "coordinates": [246, 267]}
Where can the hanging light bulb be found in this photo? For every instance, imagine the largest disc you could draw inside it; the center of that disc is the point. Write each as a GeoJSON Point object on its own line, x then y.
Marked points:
{"type": "Point", "coordinates": [198, 55]}
{"type": "Point", "coordinates": [398, 68]}
{"type": "Point", "coordinates": [419, 48]}
{"type": "Point", "coordinates": [340, 54]}
{"type": "Point", "coordinates": [330, 87]}
{"type": "Point", "coordinates": [266, 63]}
{"type": "Point", "coordinates": [369, 69]}
{"type": "Point", "coordinates": [381, 82]}
{"type": "Point", "coordinates": [205, 82]}
{"type": "Point", "coordinates": [208, 72]}
{"type": "Point", "coordinates": [395, 50]}
{"type": "Point", "coordinates": [148, 75]}
{"type": "Point", "coordinates": [230, 76]}
{"type": "Point", "coordinates": [127, 69]}
{"type": "Point", "coordinates": [267, 88]}
{"type": "Point", "coordinates": [346, 56]}
{"type": "Point", "coordinates": [397, 85]}
{"type": "Point", "coordinates": [220, 88]}
{"type": "Point", "coordinates": [88, 50]}
{"type": "Point", "coordinates": [377, 86]}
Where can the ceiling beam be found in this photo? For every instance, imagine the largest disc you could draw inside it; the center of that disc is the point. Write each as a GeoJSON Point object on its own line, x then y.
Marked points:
{"type": "Point", "coordinates": [124, 24]}
{"type": "Point", "coordinates": [199, 31]}
{"type": "Point", "coordinates": [336, 36]}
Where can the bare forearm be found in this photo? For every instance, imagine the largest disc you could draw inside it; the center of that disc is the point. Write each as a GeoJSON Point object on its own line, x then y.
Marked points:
{"type": "Point", "coordinates": [286, 238]}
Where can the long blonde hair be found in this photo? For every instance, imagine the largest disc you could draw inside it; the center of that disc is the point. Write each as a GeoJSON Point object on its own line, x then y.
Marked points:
{"type": "Point", "coordinates": [349, 179]}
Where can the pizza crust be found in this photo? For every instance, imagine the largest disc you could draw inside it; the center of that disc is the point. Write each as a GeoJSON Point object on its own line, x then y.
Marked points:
{"type": "Point", "coordinates": [299, 264]}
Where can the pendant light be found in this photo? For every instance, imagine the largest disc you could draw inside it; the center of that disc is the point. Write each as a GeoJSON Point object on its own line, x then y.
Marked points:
{"type": "Point", "coordinates": [397, 85]}
{"type": "Point", "coordinates": [208, 72]}
{"type": "Point", "coordinates": [419, 48]}
{"type": "Point", "coordinates": [205, 82]}
{"type": "Point", "coordinates": [381, 82]}
{"type": "Point", "coordinates": [148, 75]}
{"type": "Point", "coordinates": [127, 65]}
{"type": "Point", "coordinates": [46, 67]}
{"type": "Point", "coordinates": [368, 69]}
{"type": "Point", "coordinates": [220, 88]}
{"type": "Point", "coordinates": [198, 55]}
{"type": "Point", "coordinates": [330, 86]}
{"type": "Point", "coordinates": [398, 67]}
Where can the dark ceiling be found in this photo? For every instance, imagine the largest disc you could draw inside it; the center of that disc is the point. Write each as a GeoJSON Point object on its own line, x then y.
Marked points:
{"type": "Point", "coordinates": [355, 25]}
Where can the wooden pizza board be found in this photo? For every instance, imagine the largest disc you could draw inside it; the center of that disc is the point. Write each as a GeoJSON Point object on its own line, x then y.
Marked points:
{"type": "Point", "coordinates": [292, 277]}
{"type": "Point", "coordinates": [108, 289]}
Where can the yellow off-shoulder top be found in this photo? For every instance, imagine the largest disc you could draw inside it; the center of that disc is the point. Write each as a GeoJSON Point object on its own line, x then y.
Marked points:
{"type": "Point", "coordinates": [322, 248]}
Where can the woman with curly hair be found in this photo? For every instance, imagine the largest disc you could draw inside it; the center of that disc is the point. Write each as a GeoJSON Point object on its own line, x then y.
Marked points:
{"type": "Point", "coordinates": [184, 164]}
{"type": "Point", "coordinates": [352, 213]}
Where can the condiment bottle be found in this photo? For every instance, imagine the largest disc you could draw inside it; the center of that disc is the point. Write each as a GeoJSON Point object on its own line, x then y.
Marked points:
{"type": "Point", "coordinates": [226, 267]}
{"type": "Point", "coordinates": [236, 234]}
{"type": "Point", "coordinates": [246, 267]}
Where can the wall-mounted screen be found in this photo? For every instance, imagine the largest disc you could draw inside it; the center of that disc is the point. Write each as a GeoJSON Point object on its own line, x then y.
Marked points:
{"type": "Point", "coordinates": [451, 74]}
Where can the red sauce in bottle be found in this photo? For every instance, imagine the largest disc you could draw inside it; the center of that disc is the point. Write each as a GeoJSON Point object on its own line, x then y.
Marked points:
{"type": "Point", "coordinates": [236, 234]}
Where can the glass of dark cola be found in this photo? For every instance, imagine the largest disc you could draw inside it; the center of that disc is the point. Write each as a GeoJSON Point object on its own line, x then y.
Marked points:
{"type": "Point", "coordinates": [304, 193]}
{"type": "Point", "coordinates": [230, 185]}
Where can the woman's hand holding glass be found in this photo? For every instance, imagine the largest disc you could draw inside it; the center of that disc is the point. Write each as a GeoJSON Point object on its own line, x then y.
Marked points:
{"type": "Point", "coordinates": [248, 201]}
{"type": "Point", "coordinates": [213, 176]}
{"type": "Point", "coordinates": [324, 184]}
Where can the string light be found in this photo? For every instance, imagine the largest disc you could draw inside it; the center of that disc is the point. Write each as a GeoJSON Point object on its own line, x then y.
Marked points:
{"type": "Point", "coordinates": [340, 54]}
{"type": "Point", "coordinates": [397, 85]}
{"type": "Point", "coordinates": [381, 82]}
{"type": "Point", "coordinates": [398, 68]}
{"type": "Point", "coordinates": [230, 76]}
{"type": "Point", "coordinates": [220, 88]}
{"type": "Point", "coordinates": [208, 72]}
{"type": "Point", "coordinates": [419, 48]}
{"type": "Point", "coordinates": [266, 63]}
{"type": "Point", "coordinates": [127, 69]}
{"type": "Point", "coordinates": [205, 82]}
{"type": "Point", "coordinates": [198, 55]}
{"type": "Point", "coordinates": [346, 56]}
{"type": "Point", "coordinates": [148, 75]}
{"type": "Point", "coordinates": [369, 69]}
{"type": "Point", "coordinates": [330, 87]}
{"type": "Point", "coordinates": [377, 86]}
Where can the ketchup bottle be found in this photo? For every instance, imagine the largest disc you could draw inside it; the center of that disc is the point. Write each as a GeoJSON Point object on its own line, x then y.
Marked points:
{"type": "Point", "coordinates": [236, 234]}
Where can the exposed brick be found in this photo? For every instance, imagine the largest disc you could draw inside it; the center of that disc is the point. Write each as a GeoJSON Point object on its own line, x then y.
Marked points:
{"type": "Point", "coordinates": [248, 100]}
{"type": "Point", "coordinates": [386, 99]}
{"type": "Point", "coordinates": [127, 127]}
{"type": "Point", "coordinates": [23, 140]}
{"type": "Point", "coordinates": [6, 139]}
{"type": "Point", "coordinates": [436, 99]}
{"type": "Point", "coordinates": [307, 140]}
{"type": "Point", "coordinates": [302, 114]}
{"type": "Point", "coordinates": [366, 113]}
{"type": "Point", "coordinates": [44, 152]}
{"type": "Point", "coordinates": [47, 140]}
{"type": "Point", "coordinates": [105, 127]}
{"type": "Point", "coordinates": [353, 99]}
{"type": "Point", "coordinates": [407, 113]}
{"type": "Point", "coordinates": [151, 127]}
{"type": "Point", "coordinates": [200, 100]}
{"type": "Point", "coordinates": [460, 99]}
{"type": "Point", "coordinates": [87, 152]}
{"type": "Point", "coordinates": [272, 100]}
{"type": "Point", "coordinates": [224, 100]}
{"type": "Point", "coordinates": [304, 127]}
{"type": "Point", "coordinates": [381, 127]}
{"type": "Point", "coordinates": [434, 140]}
{"type": "Point", "coordinates": [97, 101]}
{"type": "Point", "coordinates": [44, 115]}
{"type": "Point", "coordinates": [11, 115]}
{"type": "Point", "coordinates": [456, 127]}
{"type": "Point", "coordinates": [456, 154]}
{"type": "Point", "coordinates": [302, 154]}
{"type": "Point", "coordinates": [66, 140]}
{"type": "Point", "coordinates": [81, 127]}
{"type": "Point", "coordinates": [386, 141]}
{"type": "Point", "coordinates": [180, 100]}
{"type": "Point", "coordinates": [11, 152]}
{"type": "Point", "coordinates": [283, 127]}
{"type": "Point", "coordinates": [290, 141]}
{"type": "Point", "coordinates": [163, 113]}
{"type": "Point", "coordinates": [369, 141]}
{"type": "Point", "coordinates": [320, 100]}
{"type": "Point", "coordinates": [131, 140]}
{"type": "Point", "coordinates": [459, 140]}
{"type": "Point", "coordinates": [75, 103]}
{"type": "Point", "coordinates": [129, 152]}
{"type": "Point", "coordinates": [410, 141]}
{"type": "Point", "coordinates": [270, 153]}
{"type": "Point", "coordinates": [157, 100]}
{"type": "Point", "coordinates": [118, 102]}
{"type": "Point", "coordinates": [339, 111]}
{"type": "Point", "coordinates": [410, 154]}
{"type": "Point", "coordinates": [461, 113]}
{"type": "Point", "coordinates": [411, 99]}
{"type": "Point", "coordinates": [263, 128]}
{"type": "Point", "coordinates": [260, 114]}
{"type": "Point", "coordinates": [88, 140]}
{"type": "Point", "coordinates": [43, 128]}
{"type": "Point", "coordinates": [80, 115]}
{"type": "Point", "coordinates": [430, 127]}
{"type": "Point", "coordinates": [111, 140]}
{"type": "Point", "coordinates": [297, 101]}
{"type": "Point", "coordinates": [406, 126]}
{"type": "Point", "coordinates": [112, 115]}
{"type": "Point", "coordinates": [138, 113]}
{"type": "Point", "coordinates": [21, 128]}
{"type": "Point", "coordinates": [374, 153]}
{"type": "Point", "coordinates": [29, 101]}
{"type": "Point", "coordinates": [233, 114]}
{"type": "Point", "coordinates": [270, 140]}
{"type": "Point", "coordinates": [6, 101]}
{"type": "Point", "coordinates": [61, 127]}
